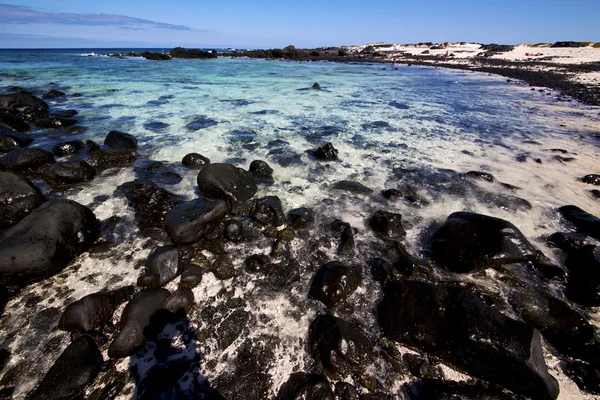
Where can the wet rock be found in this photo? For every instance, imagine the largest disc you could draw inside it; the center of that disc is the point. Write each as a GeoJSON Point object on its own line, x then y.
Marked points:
{"type": "Point", "coordinates": [586, 376]}
{"type": "Point", "coordinates": [346, 245]}
{"type": "Point", "coordinates": [226, 182]}
{"type": "Point", "coordinates": [567, 241]}
{"type": "Point", "coordinates": [25, 159]}
{"type": "Point", "coordinates": [300, 218]}
{"type": "Point", "coordinates": [159, 172]}
{"type": "Point", "coordinates": [69, 172]}
{"type": "Point", "coordinates": [257, 263]}
{"type": "Point", "coordinates": [338, 347]}
{"type": "Point", "coordinates": [234, 230]}
{"type": "Point", "coordinates": [484, 176]}
{"type": "Point", "coordinates": [11, 122]}
{"type": "Point", "coordinates": [76, 367]}
{"type": "Point", "coordinates": [120, 140]}
{"type": "Point", "coordinates": [455, 325]}
{"type": "Point", "coordinates": [180, 301]}
{"type": "Point", "coordinates": [190, 221]}
{"type": "Point", "coordinates": [583, 283]}
{"type": "Point", "coordinates": [421, 367]}
{"type": "Point", "coordinates": [14, 100]}
{"type": "Point", "coordinates": [10, 140]}
{"type": "Point", "coordinates": [353, 187]}
{"type": "Point", "coordinates": [92, 146]}
{"type": "Point", "coordinates": [68, 147]}
{"type": "Point", "coordinates": [268, 211]}
{"type": "Point", "coordinates": [345, 391]}
{"type": "Point", "coordinates": [18, 197]}
{"type": "Point", "coordinates": [223, 268]}
{"type": "Point", "coordinates": [469, 241]}
{"type": "Point", "coordinates": [45, 241]}
{"type": "Point", "coordinates": [387, 225]}
{"type": "Point", "coordinates": [94, 310]}
{"type": "Point", "coordinates": [111, 158]}
{"type": "Point", "coordinates": [407, 193]}
{"type": "Point", "coordinates": [31, 113]}
{"type": "Point", "coordinates": [562, 326]}
{"type": "Point", "coordinates": [54, 122]}
{"type": "Point", "coordinates": [582, 220]}
{"type": "Point", "coordinates": [334, 282]}
{"type": "Point", "coordinates": [163, 265]}
{"type": "Point", "coordinates": [195, 160]}
{"type": "Point", "coordinates": [191, 276]}
{"type": "Point", "coordinates": [437, 389]}
{"type": "Point", "coordinates": [282, 275]}
{"type": "Point", "coordinates": [591, 179]}
{"type": "Point", "coordinates": [280, 248]}
{"type": "Point", "coordinates": [305, 386]}
{"type": "Point", "coordinates": [262, 171]}
{"type": "Point", "coordinates": [151, 202]}
{"type": "Point", "coordinates": [52, 94]}
{"type": "Point", "coordinates": [231, 328]}
{"type": "Point", "coordinates": [136, 322]}
{"type": "Point", "coordinates": [326, 152]}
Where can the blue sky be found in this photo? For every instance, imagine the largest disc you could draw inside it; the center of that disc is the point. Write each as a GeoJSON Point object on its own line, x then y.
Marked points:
{"type": "Point", "coordinates": [269, 23]}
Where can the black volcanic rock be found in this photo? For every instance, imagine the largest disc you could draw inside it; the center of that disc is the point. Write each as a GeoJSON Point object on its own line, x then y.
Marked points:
{"type": "Point", "coordinates": [195, 160]}
{"type": "Point", "coordinates": [151, 202]}
{"type": "Point", "coordinates": [387, 225]}
{"type": "Point", "coordinates": [68, 147]}
{"type": "Point", "coordinates": [45, 241]}
{"type": "Point", "coordinates": [353, 187]}
{"type": "Point", "coordinates": [226, 182]}
{"type": "Point", "coordinates": [11, 122]}
{"type": "Point", "coordinates": [18, 197]}
{"type": "Point", "coordinates": [455, 325]}
{"type": "Point", "coordinates": [10, 140]}
{"type": "Point", "coordinates": [583, 282]}
{"type": "Point", "coordinates": [164, 265]}
{"type": "Point", "coordinates": [25, 159]}
{"type": "Point", "coordinates": [305, 386]}
{"type": "Point", "coordinates": [111, 158]}
{"type": "Point", "coordinates": [469, 241]}
{"type": "Point", "coordinates": [268, 211]}
{"type": "Point", "coordinates": [120, 140]}
{"type": "Point", "coordinates": [190, 221]}
{"type": "Point", "coordinates": [14, 100]}
{"type": "Point", "coordinates": [69, 172]}
{"type": "Point", "coordinates": [591, 179]}
{"type": "Point", "coordinates": [334, 282]}
{"type": "Point", "coordinates": [262, 171]}
{"type": "Point", "coordinates": [299, 218]}
{"type": "Point", "coordinates": [326, 152]}
{"type": "Point", "coordinates": [52, 94]}
{"type": "Point", "coordinates": [582, 220]}
{"type": "Point", "coordinates": [180, 52]}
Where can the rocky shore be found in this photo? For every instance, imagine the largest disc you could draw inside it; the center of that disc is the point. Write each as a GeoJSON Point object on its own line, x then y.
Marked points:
{"type": "Point", "coordinates": [432, 330]}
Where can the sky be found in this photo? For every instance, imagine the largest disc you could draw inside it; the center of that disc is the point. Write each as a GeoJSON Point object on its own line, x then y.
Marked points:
{"type": "Point", "coordinates": [302, 23]}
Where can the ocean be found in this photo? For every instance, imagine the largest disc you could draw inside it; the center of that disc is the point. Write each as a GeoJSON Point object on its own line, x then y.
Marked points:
{"type": "Point", "coordinates": [416, 127]}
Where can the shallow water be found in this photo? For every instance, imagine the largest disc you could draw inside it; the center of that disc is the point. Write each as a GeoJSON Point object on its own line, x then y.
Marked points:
{"type": "Point", "coordinates": [391, 127]}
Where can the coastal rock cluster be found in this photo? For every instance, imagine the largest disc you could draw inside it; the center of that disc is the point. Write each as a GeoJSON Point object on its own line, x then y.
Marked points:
{"type": "Point", "coordinates": [426, 310]}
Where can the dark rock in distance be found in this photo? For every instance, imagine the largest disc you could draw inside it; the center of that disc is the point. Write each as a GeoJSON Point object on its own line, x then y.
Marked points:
{"type": "Point", "coordinates": [455, 325]}
{"type": "Point", "coordinates": [52, 94]}
{"type": "Point", "coordinates": [45, 241]}
{"type": "Point", "coordinates": [387, 225]}
{"type": "Point", "coordinates": [68, 147]}
{"type": "Point", "coordinates": [339, 347]}
{"type": "Point", "coordinates": [469, 241]}
{"type": "Point", "coordinates": [226, 182]}
{"type": "Point", "coordinates": [190, 221]}
{"type": "Point", "coordinates": [69, 172]}
{"type": "Point", "coordinates": [326, 152]}
{"type": "Point", "coordinates": [195, 160]}
{"type": "Point", "coordinates": [334, 282]}
{"type": "Point", "coordinates": [74, 369]}
{"type": "Point", "coordinates": [18, 197]}
{"type": "Point", "coordinates": [136, 322]}
{"type": "Point", "coordinates": [120, 140]}
{"type": "Point", "coordinates": [305, 386]}
{"type": "Point", "coordinates": [484, 176]}
{"type": "Point", "coordinates": [25, 159]}
{"type": "Point", "coordinates": [94, 310]}
{"type": "Point", "coordinates": [10, 140]}
{"type": "Point", "coordinates": [582, 220]}
{"type": "Point", "coordinates": [300, 218]}
{"type": "Point", "coordinates": [353, 187]}
{"type": "Point", "coordinates": [262, 171]}
{"type": "Point", "coordinates": [268, 211]}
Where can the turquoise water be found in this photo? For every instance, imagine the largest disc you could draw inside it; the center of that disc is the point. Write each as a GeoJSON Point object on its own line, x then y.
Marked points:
{"type": "Point", "coordinates": [391, 127]}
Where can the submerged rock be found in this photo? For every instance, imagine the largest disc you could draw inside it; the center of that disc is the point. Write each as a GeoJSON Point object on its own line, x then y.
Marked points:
{"type": "Point", "coordinates": [353, 187]}
{"type": "Point", "coordinates": [226, 182]}
{"type": "Point", "coordinates": [467, 242]}
{"type": "Point", "coordinates": [338, 347]}
{"type": "Point", "coordinates": [69, 172]}
{"type": "Point", "coordinates": [25, 159]}
{"type": "Point", "coordinates": [458, 327]}
{"type": "Point", "coordinates": [76, 367]}
{"type": "Point", "coordinates": [334, 282]}
{"type": "Point", "coordinates": [195, 160]}
{"type": "Point", "coordinates": [45, 241]}
{"type": "Point", "coordinates": [138, 316]}
{"type": "Point", "coordinates": [305, 386]}
{"type": "Point", "coordinates": [94, 310]}
{"type": "Point", "coordinates": [52, 94]}
{"type": "Point", "coordinates": [190, 221]}
{"type": "Point", "coordinates": [18, 197]}
{"type": "Point", "coordinates": [120, 140]}
{"type": "Point", "coordinates": [583, 221]}
{"type": "Point", "coordinates": [326, 152]}
{"type": "Point", "coordinates": [300, 218]}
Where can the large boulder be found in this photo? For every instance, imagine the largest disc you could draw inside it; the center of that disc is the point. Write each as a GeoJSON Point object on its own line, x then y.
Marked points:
{"type": "Point", "coordinates": [141, 316]}
{"type": "Point", "coordinates": [469, 241]}
{"type": "Point", "coordinates": [45, 241]}
{"type": "Point", "coordinates": [76, 367]}
{"type": "Point", "coordinates": [226, 182]}
{"type": "Point", "coordinates": [305, 386]}
{"type": "Point", "coordinates": [334, 282]}
{"type": "Point", "coordinates": [11, 122]}
{"type": "Point", "coordinates": [582, 220]}
{"type": "Point", "coordinates": [120, 140]}
{"type": "Point", "coordinates": [190, 221]}
{"type": "Point", "coordinates": [338, 347]}
{"type": "Point", "coordinates": [25, 159]}
{"type": "Point", "coordinates": [10, 140]}
{"type": "Point", "coordinates": [455, 325]}
{"type": "Point", "coordinates": [94, 310]}
{"type": "Point", "coordinates": [69, 172]}
{"type": "Point", "coordinates": [12, 101]}
{"type": "Point", "coordinates": [18, 197]}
